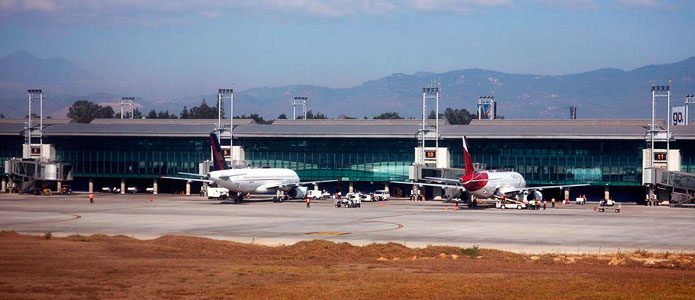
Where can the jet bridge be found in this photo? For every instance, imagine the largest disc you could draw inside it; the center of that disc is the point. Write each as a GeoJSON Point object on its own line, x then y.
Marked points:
{"type": "Point", "coordinates": [28, 175]}
{"type": "Point", "coordinates": [676, 187]}
{"type": "Point", "coordinates": [37, 169]}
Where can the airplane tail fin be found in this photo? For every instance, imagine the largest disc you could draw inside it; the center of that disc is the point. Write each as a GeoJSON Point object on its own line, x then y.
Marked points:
{"type": "Point", "coordinates": [468, 162]}
{"type": "Point", "coordinates": [218, 156]}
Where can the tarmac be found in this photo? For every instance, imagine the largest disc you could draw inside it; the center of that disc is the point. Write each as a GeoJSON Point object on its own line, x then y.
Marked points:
{"type": "Point", "coordinates": [567, 229]}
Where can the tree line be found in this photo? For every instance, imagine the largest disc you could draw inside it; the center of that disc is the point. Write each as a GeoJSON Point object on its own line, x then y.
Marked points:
{"type": "Point", "coordinates": [84, 111]}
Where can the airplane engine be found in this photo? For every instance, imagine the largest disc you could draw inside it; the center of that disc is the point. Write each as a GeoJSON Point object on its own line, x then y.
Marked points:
{"type": "Point", "coordinates": [536, 195]}
{"type": "Point", "coordinates": [298, 192]}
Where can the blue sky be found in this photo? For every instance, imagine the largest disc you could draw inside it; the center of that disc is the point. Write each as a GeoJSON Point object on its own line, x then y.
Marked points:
{"type": "Point", "coordinates": [179, 48]}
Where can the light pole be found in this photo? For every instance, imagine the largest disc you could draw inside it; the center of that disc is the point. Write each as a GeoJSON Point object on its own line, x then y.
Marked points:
{"type": "Point", "coordinates": [33, 94]}
{"type": "Point", "coordinates": [221, 94]}
{"type": "Point", "coordinates": [689, 100]}
{"type": "Point", "coordinates": [299, 101]}
{"type": "Point", "coordinates": [128, 101]}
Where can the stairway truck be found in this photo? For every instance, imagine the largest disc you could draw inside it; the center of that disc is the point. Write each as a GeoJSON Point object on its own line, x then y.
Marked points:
{"type": "Point", "coordinates": [218, 193]}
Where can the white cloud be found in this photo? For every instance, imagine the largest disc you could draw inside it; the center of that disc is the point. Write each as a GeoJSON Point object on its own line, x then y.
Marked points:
{"type": "Point", "coordinates": [118, 11]}
{"type": "Point", "coordinates": [40, 5]}
{"type": "Point", "coordinates": [641, 3]}
{"type": "Point", "coordinates": [459, 6]}
{"type": "Point", "coordinates": [572, 4]}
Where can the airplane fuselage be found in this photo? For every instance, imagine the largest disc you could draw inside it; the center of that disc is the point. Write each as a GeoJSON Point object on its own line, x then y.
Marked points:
{"type": "Point", "coordinates": [254, 180]}
{"type": "Point", "coordinates": [486, 184]}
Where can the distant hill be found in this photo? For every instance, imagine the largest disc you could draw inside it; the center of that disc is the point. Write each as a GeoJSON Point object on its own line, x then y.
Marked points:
{"type": "Point", "coordinates": [59, 77]}
{"type": "Point", "coordinates": [23, 67]}
{"type": "Point", "coordinates": [603, 93]}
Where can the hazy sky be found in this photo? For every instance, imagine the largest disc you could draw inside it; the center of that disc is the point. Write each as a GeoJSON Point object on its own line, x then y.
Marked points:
{"type": "Point", "coordinates": [190, 47]}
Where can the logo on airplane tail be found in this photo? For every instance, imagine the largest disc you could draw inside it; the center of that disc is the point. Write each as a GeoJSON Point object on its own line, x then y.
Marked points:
{"type": "Point", "coordinates": [217, 155]}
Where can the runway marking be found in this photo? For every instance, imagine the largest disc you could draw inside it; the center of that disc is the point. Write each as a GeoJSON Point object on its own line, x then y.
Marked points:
{"type": "Point", "coordinates": [398, 226]}
{"type": "Point", "coordinates": [327, 233]}
{"type": "Point", "coordinates": [74, 217]}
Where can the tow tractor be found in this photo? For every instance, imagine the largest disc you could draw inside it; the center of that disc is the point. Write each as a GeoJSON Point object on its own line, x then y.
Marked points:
{"type": "Point", "coordinates": [506, 203]}
{"type": "Point", "coordinates": [608, 203]}
{"type": "Point", "coordinates": [351, 200]}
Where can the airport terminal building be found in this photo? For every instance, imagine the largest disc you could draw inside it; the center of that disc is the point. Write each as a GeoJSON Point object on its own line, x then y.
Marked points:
{"type": "Point", "coordinates": [362, 154]}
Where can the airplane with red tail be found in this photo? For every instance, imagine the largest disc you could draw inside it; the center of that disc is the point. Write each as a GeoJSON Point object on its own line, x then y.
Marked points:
{"type": "Point", "coordinates": [487, 184]}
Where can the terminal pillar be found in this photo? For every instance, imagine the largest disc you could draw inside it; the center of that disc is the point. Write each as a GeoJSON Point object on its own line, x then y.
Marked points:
{"type": "Point", "coordinates": [386, 187]}
{"type": "Point", "coordinates": [567, 193]}
{"type": "Point", "coordinates": [155, 187]}
{"type": "Point", "coordinates": [188, 188]}
{"type": "Point", "coordinates": [91, 185]}
{"type": "Point", "coordinates": [122, 186]}
{"type": "Point", "coordinates": [316, 187]}
{"type": "Point", "coordinates": [351, 187]}
{"type": "Point", "coordinates": [606, 193]}
{"type": "Point", "coordinates": [58, 186]}
{"type": "Point", "coordinates": [4, 184]}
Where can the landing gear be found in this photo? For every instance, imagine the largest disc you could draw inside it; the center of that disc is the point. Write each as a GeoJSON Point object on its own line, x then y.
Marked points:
{"type": "Point", "coordinates": [469, 199]}
{"type": "Point", "coordinates": [235, 197]}
{"type": "Point", "coordinates": [279, 197]}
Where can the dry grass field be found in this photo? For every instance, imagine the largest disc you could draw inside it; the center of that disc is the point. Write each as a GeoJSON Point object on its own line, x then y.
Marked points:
{"type": "Point", "coordinates": [174, 267]}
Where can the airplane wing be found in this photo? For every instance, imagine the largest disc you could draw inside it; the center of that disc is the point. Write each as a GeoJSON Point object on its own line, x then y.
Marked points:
{"type": "Point", "coordinates": [443, 179]}
{"type": "Point", "coordinates": [284, 186]}
{"type": "Point", "coordinates": [187, 179]}
{"type": "Point", "coordinates": [538, 188]}
{"type": "Point", "coordinates": [458, 181]}
{"type": "Point", "coordinates": [191, 174]}
{"type": "Point", "coordinates": [447, 186]}
{"type": "Point", "coordinates": [315, 182]}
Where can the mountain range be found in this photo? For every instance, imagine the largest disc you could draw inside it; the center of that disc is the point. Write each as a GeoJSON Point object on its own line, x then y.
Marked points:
{"type": "Point", "coordinates": [603, 93]}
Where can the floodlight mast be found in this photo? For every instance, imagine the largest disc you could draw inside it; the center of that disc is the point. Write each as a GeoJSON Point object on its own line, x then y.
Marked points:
{"type": "Point", "coordinates": [429, 93]}
{"type": "Point", "coordinates": [30, 127]}
{"type": "Point", "coordinates": [128, 101]}
{"type": "Point", "coordinates": [689, 100]}
{"type": "Point", "coordinates": [221, 94]}
{"type": "Point", "coordinates": [33, 94]}
{"type": "Point", "coordinates": [660, 91]}
{"type": "Point", "coordinates": [299, 101]}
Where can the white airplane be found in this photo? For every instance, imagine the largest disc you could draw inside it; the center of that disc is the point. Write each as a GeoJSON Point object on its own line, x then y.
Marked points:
{"type": "Point", "coordinates": [487, 184]}
{"type": "Point", "coordinates": [241, 182]}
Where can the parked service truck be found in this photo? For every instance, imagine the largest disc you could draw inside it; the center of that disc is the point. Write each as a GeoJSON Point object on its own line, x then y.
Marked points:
{"type": "Point", "coordinates": [218, 193]}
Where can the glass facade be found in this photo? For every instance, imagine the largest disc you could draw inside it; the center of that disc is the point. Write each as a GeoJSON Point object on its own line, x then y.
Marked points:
{"type": "Point", "coordinates": [687, 155]}
{"type": "Point", "coordinates": [559, 162]}
{"type": "Point", "coordinates": [11, 147]}
{"type": "Point", "coordinates": [131, 157]}
{"type": "Point", "coordinates": [328, 159]}
{"type": "Point", "coordinates": [602, 162]}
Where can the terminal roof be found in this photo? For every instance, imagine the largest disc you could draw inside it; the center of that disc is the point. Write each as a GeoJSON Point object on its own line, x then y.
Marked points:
{"type": "Point", "coordinates": [386, 129]}
{"type": "Point", "coordinates": [358, 122]}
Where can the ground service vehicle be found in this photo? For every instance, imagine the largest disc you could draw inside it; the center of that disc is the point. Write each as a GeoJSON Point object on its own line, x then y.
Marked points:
{"type": "Point", "coordinates": [510, 205]}
{"type": "Point", "coordinates": [350, 200]}
{"type": "Point", "coordinates": [315, 195]}
{"type": "Point", "coordinates": [382, 195]}
{"type": "Point", "coordinates": [218, 193]}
